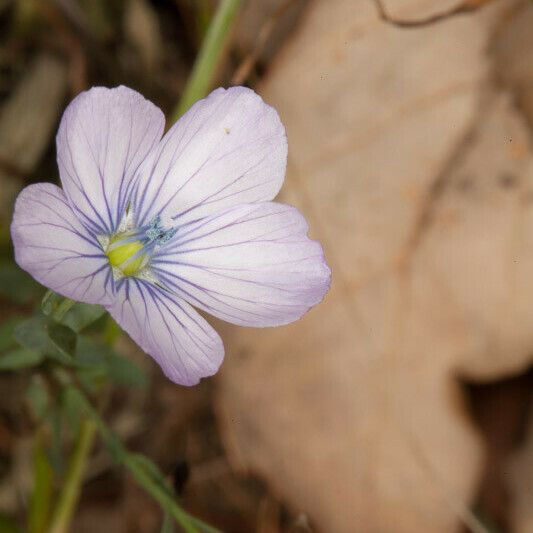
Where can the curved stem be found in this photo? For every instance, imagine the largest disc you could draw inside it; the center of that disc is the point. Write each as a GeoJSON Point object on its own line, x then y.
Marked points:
{"type": "Point", "coordinates": [71, 489]}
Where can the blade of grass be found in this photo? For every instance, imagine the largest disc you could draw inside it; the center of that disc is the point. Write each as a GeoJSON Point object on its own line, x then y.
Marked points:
{"type": "Point", "coordinates": [145, 475]}
{"type": "Point", "coordinates": [208, 57]}
{"type": "Point", "coordinates": [71, 488]}
{"type": "Point", "coordinates": [41, 498]}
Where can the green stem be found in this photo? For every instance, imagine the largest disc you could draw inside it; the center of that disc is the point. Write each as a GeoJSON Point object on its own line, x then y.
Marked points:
{"type": "Point", "coordinates": [71, 489]}
{"type": "Point", "coordinates": [208, 56]}
{"type": "Point", "coordinates": [41, 497]}
{"type": "Point", "coordinates": [152, 482]}
{"type": "Point", "coordinates": [159, 493]}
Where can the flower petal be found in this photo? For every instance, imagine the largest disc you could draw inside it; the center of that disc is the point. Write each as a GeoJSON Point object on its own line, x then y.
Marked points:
{"type": "Point", "coordinates": [104, 136]}
{"type": "Point", "coordinates": [228, 149]}
{"type": "Point", "coordinates": [185, 346]}
{"type": "Point", "coordinates": [252, 265]}
{"type": "Point", "coordinates": [52, 245]}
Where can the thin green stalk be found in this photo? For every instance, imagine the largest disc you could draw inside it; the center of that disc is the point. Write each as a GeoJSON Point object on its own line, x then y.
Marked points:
{"type": "Point", "coordinates": [150, 480]}
{"type": "Point", "coordinates": [71, 489]}
{"type": "Point", "coordinates": [41, 498]}
{"type": "Point", "coordinates": [208, 56]}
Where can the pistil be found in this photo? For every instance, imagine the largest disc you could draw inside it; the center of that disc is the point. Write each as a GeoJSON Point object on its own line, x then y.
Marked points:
{"type": "Point", "coordinates": [129, 252]}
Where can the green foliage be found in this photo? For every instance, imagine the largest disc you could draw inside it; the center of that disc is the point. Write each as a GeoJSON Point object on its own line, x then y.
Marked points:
{"type": "Point", "coordinates": [99, 362]}
{"type": "Point", "coordinates": [168, 524]}
{"type": "Point", "coordinates": [48, 338]}
{"type": "Point", "coordinates": [63, 343]}
{"type": "Point", "coordinates": [76, 315]}
{"type": "Point", "coordinates": [210, 52]}
{"type": "Point", "coordinates": [20, 358]}
{"type": "Point", "coordinates": [144, 471]}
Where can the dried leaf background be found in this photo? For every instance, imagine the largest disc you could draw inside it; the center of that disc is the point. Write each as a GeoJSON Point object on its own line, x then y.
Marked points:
{"type": "Point", "coordinates": [410, 153]}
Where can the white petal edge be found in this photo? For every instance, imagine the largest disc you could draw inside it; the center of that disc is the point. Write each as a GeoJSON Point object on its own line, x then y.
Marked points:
{"type": "Point", "coordinates": [52, 246]}
{"type": "Point", "coordinates": [229, 148]}
{"type": "Point", "coordinates": [252, 265]}
{"type": "Point", "coordinates": [184, 345]}
{"type": "Point", "coordinates": [104, 137]}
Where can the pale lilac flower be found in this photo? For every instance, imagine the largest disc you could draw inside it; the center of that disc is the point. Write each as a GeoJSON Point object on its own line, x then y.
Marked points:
{"type": "Point", "coordinates": [149, 226]}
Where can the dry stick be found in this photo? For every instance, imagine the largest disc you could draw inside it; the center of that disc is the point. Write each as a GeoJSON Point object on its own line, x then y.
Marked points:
{"type": "Point", "coordinates": [467, 6]}
{"type": "Point", "coordinates": [243, 71]}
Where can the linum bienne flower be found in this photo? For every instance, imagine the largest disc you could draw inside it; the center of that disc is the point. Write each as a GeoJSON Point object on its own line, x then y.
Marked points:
{"type": "Point", "coordinates": [150, 225]}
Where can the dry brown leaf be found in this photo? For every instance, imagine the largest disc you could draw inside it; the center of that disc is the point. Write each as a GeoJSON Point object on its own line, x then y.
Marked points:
{"type": "Point", "coordinates": [27, 121]}
{"type": "Point", "coordinates": [417, 176]}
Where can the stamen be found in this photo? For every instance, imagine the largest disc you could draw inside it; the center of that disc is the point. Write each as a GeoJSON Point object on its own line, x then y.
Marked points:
{"type": "Point", "coordinates": [129, 251]}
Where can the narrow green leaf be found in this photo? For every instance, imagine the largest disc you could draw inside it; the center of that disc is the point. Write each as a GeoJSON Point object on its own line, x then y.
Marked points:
{"type": "Point", "coordinates": [144, 471]}
{"type": "Point", "coordinates": [208, 57]}
{"type": "Point", "coordinates": [21, 358]}
{"type": "Point", "coordinates": [151, 469]}
{"type": "Point", "coordinates": [41, 498]}
{"type": "Point", "coordinates": [168, 524]}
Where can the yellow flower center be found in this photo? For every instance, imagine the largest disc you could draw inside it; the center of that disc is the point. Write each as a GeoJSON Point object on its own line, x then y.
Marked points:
{"type": "Point", "coordinates": [122, 256]}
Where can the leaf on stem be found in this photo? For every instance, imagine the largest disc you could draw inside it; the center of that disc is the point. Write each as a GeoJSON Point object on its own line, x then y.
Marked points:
{"type": "Point", "coordinates": [53, 340]}
{"type": "Point", "coordinates": [20, 359]}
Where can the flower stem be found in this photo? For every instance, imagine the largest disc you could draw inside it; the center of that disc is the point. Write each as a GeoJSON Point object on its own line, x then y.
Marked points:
{"type": "Point", "coordinates": [71, 489]}
{"type": "Point", "coordinates": [208, 56]}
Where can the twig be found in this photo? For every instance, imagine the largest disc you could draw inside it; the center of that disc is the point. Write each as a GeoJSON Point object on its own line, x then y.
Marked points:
{"type": "Point", "coordinates": [467, 6]}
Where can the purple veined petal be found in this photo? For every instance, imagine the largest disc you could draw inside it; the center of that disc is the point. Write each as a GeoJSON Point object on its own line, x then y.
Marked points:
{"type": "Point", "coordinates": [56, 249]}
{"type": "Point", "coordinates": [185, 346]}
{"type": "Point", "coordinates": [252, 265]}
{"type": "Point", "coordinates": [104, 137]}
{"type": "Point", "coordinates": [229, 148]}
